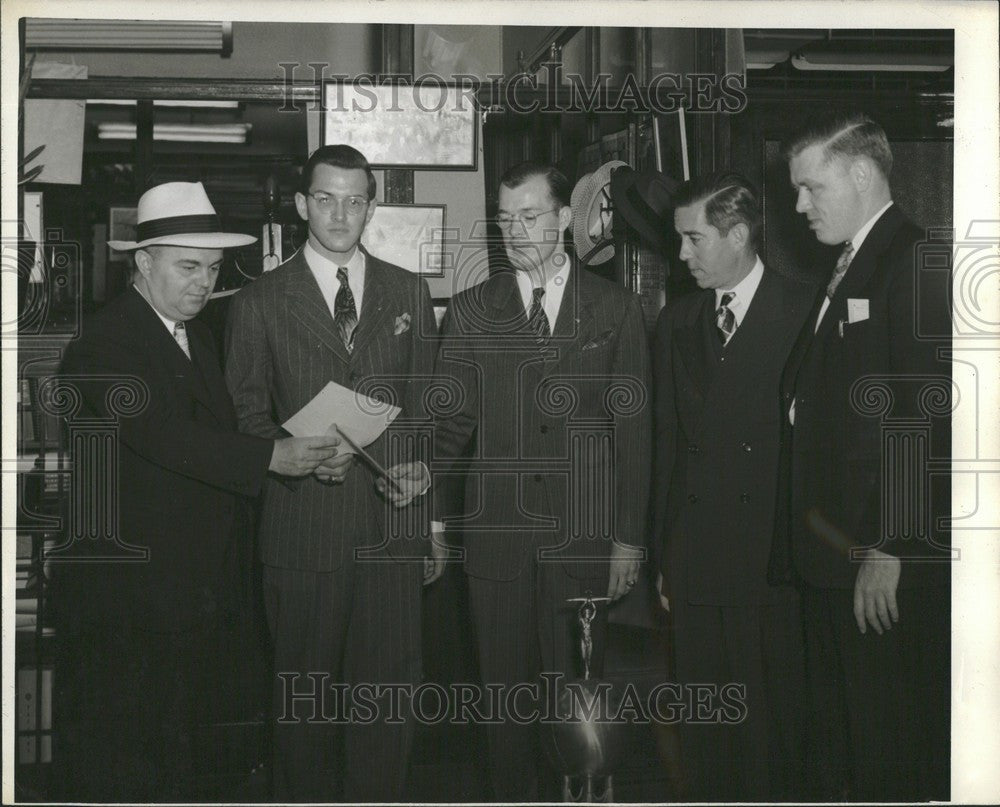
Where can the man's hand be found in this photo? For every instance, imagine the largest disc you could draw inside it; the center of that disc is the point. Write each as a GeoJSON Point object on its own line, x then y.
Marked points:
{"type": "Point", "coordinates": [333, 471]}
{"type": "Point", "coordinates": [299, 456]}
{"type": "Point", "coordinates": [624, 569]}
{"type": "Point", "coordinates": [875, 592]}
{"type": "Point", "coordinates": [434, 565]}
{"type": "Point", "coordinates": [664, 600]}
{"type": "Point", "coordinates": [412, 479]}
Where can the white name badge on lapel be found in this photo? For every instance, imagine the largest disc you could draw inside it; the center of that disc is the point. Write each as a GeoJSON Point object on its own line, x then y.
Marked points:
{"type": "Point", "coordinates": [857, 310]}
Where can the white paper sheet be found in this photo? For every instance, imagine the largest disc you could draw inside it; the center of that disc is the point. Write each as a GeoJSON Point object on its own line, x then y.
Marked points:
{"type": "Point", "coordinates": [359, 416]}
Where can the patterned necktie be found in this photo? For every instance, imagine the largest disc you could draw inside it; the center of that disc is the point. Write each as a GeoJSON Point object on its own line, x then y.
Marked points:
{"type": "Point", "coordinates": [345, 315]}
{"type": "Point", "coordinates": [841, 269]}
{"type": "Point", "coordinates": [725, 319]}
{"type": "Point", "coordinates": [537, 321]}
{"type": "Point", "coordinates": [180, 334]}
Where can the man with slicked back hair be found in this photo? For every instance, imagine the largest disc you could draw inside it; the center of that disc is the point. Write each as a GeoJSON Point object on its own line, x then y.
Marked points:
{"type": "Point", "coordinates": [717, 360]}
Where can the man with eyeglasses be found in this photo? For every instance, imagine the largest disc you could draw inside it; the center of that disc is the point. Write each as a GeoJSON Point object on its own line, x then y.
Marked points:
{"type": "Point", "coordinates": [341, 590]}
{"type": "Point", "coordinates": [550, 366]}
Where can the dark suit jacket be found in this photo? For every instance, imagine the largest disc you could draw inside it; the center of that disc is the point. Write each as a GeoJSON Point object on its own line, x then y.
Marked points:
{"type": "Point", "coordinates": [282, 349]}
{"type": "Point", "coordinates": [835, 456]}
{"type": "Point", "coordinates": [183, 470]}
{"type": "Point", "coordinates": [531, 410]}
{"type": "Point", "coordinates": [717, 426]}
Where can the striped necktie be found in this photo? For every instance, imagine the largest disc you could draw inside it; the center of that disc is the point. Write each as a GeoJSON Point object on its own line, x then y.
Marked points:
{"type": "Point", "coordinates": [725, 319]}
{"type": "Point", "coordinates": [180, 334]}
{"type": "Point", "coordinates": [538, 323]}
{"type": "Point", "coordinates": [345, 316]}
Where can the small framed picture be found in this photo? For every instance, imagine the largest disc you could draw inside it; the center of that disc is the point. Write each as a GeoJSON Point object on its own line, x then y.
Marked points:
{"type": "Point", "coordinates": [431, 126]}
{"type": "Point", "coordinates": [121, 227]}
{"type": "Point", "coordinates": [410, 236]}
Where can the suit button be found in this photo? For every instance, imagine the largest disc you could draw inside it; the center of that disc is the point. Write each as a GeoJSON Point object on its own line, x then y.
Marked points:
{"type": "Point", "coordinates": [692, 448]}
{"type": "Point", "coordinates": [745, 498]}
{"type": "Point", "coordinates": [543, 429]}
{"type": "Point", "coordinates": [693, 499]}
{"type": "Point", "coordinates": [745, 447]}
{"type": "Point", "coordinates": [538, 477]}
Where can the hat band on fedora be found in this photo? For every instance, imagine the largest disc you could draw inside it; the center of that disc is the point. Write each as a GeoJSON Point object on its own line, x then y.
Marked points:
{"type": "Point", "coordinates": [177, 225]}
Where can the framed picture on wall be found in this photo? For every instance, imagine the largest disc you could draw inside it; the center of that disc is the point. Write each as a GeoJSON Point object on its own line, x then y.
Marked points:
{"type": "Point", "coordinates": [429, 127]}
{"type": "Point", "coordinates": [411, 236]}
{"type": "Point", "coordinates": [121, 227]}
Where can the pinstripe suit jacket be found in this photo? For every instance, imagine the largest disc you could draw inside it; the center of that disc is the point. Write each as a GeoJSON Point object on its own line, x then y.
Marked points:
{"type": "Point", "coordinates": [282, 349]}
{"type": "Point", "coordinates": [562, 432]}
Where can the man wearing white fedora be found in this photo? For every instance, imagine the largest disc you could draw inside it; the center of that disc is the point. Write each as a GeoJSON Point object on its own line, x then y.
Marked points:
{"type": "Point", "coordinates": [149, 652]}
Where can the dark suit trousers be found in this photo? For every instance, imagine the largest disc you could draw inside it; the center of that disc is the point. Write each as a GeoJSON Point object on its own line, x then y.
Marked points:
{"type": "Point", "coordinates": [131, 705]}
{"type": "Point", "coordinates": [879, 705]}
{"type": "Point", "coordinates": [525, 627]}
{"type": "Point", "coordinates": [760, 648]}
{"type": "Point", "coordinates": [357, 625]}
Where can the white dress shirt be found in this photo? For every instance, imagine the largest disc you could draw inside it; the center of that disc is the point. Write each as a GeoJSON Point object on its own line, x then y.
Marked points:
{"type": "Point", "coordinates": [743, 291]}
{"type": "Point", "coordinates": [554, 288]}
{"type": "Point", "coordinates": [325, 272]}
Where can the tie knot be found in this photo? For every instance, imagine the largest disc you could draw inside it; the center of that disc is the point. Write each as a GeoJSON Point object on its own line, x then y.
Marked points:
{"type": "Point", "coordinates": [342, 274]}
{"type": "Point", "coordinates": [179, 328]}
{"type": "Point", "coordinates": [846, 254]}
{"type": "Point", "coordinates": [537, 294]}
{"type": "Point", "coordinates": [727, 298]}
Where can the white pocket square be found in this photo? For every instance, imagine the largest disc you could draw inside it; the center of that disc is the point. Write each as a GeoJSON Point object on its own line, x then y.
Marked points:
{"type": "Point", "coordinates": [857, 310]}
{"type": "Point", "coordinates": [402, 324]}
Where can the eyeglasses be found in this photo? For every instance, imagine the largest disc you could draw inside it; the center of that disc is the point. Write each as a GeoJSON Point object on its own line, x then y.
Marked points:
{"type": "Point", "coordinates": [353, 205]}
{"type": "Point", "coordinates": [505, 220]}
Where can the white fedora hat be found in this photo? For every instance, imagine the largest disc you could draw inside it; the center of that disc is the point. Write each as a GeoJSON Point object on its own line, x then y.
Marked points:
{"type": "Point", "coordinates": [585, 203]}
{"type": "Point", "coordinates": [179, 214]}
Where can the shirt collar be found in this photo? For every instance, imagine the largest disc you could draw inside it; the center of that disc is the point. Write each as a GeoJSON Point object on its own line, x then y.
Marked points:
{"type": "Point", "coordinates": [744, 290]}
{"type": "Point", "coordinates": [553, 286]}
{"type": "Point", "coordinates": [320, 263]}
{"type": "Point", "coordinates": [862, 234]}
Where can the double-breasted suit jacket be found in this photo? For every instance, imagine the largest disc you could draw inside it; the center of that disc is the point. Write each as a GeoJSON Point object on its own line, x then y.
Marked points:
{"type": "Point", "coordinates": [717, 427]}
{"type": "Point", "coordinates": [283, 348]}
{"type": "Point", "coordinates": [561, 431]}
{"type": "Point", "coordinates": [874, 359]}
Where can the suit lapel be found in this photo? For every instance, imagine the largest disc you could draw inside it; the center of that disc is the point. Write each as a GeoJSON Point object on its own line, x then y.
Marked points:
{"type": "Point", "coordinates": [307, 304]}
{"type": "Point", "coordinates": [375, 307]}
{"type": "Point", "coordinates": [203, 357]}
{"type": "Point", "coordinates": [858, 275]}
{"type": "Point", "coordinates": [504, 299]}
{"type": "Point", "coordinates": [692, 345]}
{"type": "Point", "coordinates": [151, 329]}
{"type": "Point", "coordinates": [763, 320]}
{"type": "Point", "coordinates": [575, 321]}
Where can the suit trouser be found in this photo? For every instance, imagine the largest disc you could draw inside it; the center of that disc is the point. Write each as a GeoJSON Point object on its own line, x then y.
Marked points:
{"type": "Point", "coordinates": [879, 705]}
{"type": "Point", "coordinates": [357, 625]}
{"type": "Point", "coordinates": [131, 704]}
{"type": "Point", "coordinates": [525, 627]}
{"type": "Point", "coordinates": [758, 647]}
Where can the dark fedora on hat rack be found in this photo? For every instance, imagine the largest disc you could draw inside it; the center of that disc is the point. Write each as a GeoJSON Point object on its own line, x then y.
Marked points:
{"type": "Point", "coordinates": [642, 198]}
{"type": "Point", "coordinates": [590, 196]}
{"type": "Point", "coordinates": [179, 214]}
